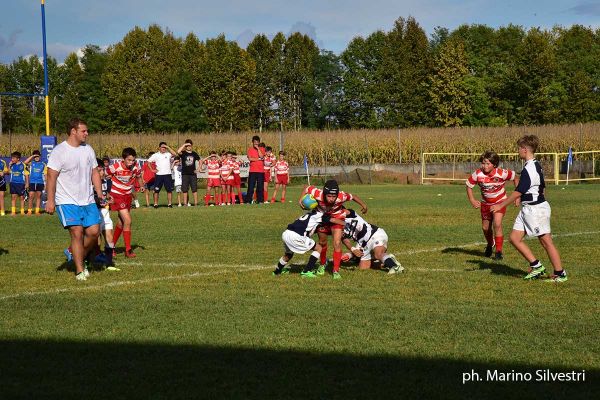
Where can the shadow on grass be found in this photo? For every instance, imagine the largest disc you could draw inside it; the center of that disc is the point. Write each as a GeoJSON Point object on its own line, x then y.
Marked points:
{"type": "Point", "coordinates": [51, 369]}
{"type": "Point", "coordinates": [70, 266]}
{"type": "Point", "coordinates": [471, 252]}
{"type": "Point", "coordinates": [3, 251]}
{"type": "Point", "coordinates": [496, 268]}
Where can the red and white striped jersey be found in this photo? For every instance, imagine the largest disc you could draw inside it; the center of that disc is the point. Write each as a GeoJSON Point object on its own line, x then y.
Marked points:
{"type": "Point", "coordinates": [225, 168]}
{"type": "Point", "coordinates": [236, 166]}
{"type": "Point", "coordinates": [492, 184]}
{"type": "Point", "coordinates": [212, 167]}
{"type": "Point", "coordinates": [282, 167]}
{"type": "Point", "coordinates": [123, 178]}
{"type": "Point", "coordinates": [268, 161]}
{"type": "Point", "coordinates": [329, 209]}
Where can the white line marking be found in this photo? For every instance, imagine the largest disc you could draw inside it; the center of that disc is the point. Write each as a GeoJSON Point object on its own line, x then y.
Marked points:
{"type": "Point", "coordinates": [245, 268]}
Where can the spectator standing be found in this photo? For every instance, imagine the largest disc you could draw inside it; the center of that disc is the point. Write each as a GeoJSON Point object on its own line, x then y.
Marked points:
{"type": "Point", "coordinates": [163, 172]}
{"type": "Point", "coordinates": [189, 168]}
{"type": "Point", "coordinates": [256, 176]}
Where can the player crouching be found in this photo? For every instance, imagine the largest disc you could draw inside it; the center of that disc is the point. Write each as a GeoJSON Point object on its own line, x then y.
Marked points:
{"type": "Point", "coordinates": [372, 242]}
{"type": "Point", "coordinates": [123, 175]}
{"type": "Point", "coordinates": [297, 239]}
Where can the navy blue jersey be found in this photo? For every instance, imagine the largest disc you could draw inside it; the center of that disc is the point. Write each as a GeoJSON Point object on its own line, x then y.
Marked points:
{"type": "Point", "coordinates": [531, 184]}
{"type": "Point", "coordinates": [357, 229]}
{"type": "Point", "coordinates": [307, 224]}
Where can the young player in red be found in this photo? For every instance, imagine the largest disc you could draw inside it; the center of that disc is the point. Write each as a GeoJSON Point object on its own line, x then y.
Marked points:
{"type": "Point", "coordinates": [269, 163]}
{"type": "Point", "coordinates": [226, 172]}
{"type": "Point", "coordinates": [212, 165]}
{"type": "Point", "coordinates": [237, 180]}
{"type": "Point", "coordinates": [491, 180]}
{"type": "Point", "coordinates": [148, 176]}
{"type": "Point", "coordinates": [331, 201]}
{"type": "Point", "coordinates": [123, 175]}
{"type": "Point", "coordinates": [282, 176]}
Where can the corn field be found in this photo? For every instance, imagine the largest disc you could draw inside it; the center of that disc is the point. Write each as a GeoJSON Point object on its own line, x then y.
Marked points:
{"type": "Point", "coordinates": [346, 147]}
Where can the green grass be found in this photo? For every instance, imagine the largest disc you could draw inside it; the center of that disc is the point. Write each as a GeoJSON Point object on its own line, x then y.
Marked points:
{"type": "Point", "coordinates": [198, 314]}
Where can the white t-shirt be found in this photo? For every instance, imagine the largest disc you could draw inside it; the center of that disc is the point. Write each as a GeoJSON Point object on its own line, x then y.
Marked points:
{"type": "Point", "coordinates": [163, 162]}
{"type": "Point", "coordinates": [177, 175]}
{"type": "Point", "coordinates": [74, 166]}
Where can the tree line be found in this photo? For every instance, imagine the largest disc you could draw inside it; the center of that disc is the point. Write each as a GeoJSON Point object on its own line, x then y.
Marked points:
{"type": "Point", "coordinates": [475, 75]}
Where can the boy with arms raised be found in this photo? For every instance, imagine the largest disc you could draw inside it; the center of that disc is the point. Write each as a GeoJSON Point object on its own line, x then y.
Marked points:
{"type": "Point", "coordinates": [491, 180]}
{"type": "Point", "coordinates": [37, 173]}
{"type": "Point", "coordinates": [534, 217]}
{"type": "Point", "coordinates": [123, 175]}
{"type": "Point", "coordinates": [212, 165]}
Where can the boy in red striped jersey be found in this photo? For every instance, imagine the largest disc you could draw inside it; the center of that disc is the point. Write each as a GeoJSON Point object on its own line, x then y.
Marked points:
{"type": "Point", "coordinates": [212, 165]}
{"type": "Point", "coordinates": [237, 179]}
{"type": "Point", "coordinates": [123, 175]}
{"type": "Point", "coordinates": [331, 202]}
{"type": "Point", "coordinates": [226, 171]}
{"type": "Point", "coordinates": [491, 181]}
{"type": "Point", "coordinates": [282, 177]}
{"type": "Point", "coordinates": [269, 163]}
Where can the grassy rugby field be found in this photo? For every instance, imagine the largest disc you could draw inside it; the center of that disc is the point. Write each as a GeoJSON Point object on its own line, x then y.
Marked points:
{"type": "Point", "coordinates": [198, 315]}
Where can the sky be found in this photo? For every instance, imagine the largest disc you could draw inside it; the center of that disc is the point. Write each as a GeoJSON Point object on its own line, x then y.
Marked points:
{"type": "Point", "coordinates": [72, 24]}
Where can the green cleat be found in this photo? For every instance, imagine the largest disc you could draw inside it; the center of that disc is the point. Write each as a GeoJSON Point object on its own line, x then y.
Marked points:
{"type": "Point", "coordinates": [562, 277]}
{"type": "Point", "coordinates": [321, 270]}
{"type": "Point", "coordinates": [535, 272]}
{"type": "Point", "coordinates": [112, 268]}
{"type": "Point", "coordinates": [308, 274]}
{"type": "Point", "coordinates": [336, 275]}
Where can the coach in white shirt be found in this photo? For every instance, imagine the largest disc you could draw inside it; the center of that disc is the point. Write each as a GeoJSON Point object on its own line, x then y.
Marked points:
{"type": "Point", "coordinates": [163, 172]}
{"type": "Point", "coordinates": [71, 174]}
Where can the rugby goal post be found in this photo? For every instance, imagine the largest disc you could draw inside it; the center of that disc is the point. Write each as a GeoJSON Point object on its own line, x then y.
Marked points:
{"type": "Point", "coordinates": [456, 167]}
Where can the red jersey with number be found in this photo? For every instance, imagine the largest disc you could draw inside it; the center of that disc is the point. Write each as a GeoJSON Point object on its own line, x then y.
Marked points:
{"type": "Point", "coordinates": [492, 184]}
{"type": "Point", "coordinates": [282, 167]}
{"type": "Point", "coordinates": [123, 178]}
{"type": "Point", "coordinates": [213, 168]}
{"type": "Point", "coordinates": [334, 209]}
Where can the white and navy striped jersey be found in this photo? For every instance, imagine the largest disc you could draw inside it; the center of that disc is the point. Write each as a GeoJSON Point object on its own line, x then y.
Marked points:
{"type": "Point", "coordinates": [307, 224]}
{"type": "Point", "coordinates": [357, 229]}
{"type": "Point", "coordinates": [532, 185]}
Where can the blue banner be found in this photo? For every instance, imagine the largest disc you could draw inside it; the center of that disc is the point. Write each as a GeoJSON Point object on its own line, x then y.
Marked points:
{"type": "Point", "coordinates": [570, 156]}
{"type": "Point", "coordinates": [305, 164]}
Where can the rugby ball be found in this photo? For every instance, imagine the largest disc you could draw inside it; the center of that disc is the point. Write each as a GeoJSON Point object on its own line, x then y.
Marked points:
{"type": "Point", "coordinates": [309, 202]}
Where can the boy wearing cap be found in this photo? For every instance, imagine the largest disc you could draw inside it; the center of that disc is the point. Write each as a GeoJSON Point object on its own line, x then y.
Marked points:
{"type": "Point", "coordinates": [330, 201]}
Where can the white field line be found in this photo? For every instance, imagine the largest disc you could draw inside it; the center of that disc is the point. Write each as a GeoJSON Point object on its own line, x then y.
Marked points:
{"type": "Point", "coordinates": [244, 268]}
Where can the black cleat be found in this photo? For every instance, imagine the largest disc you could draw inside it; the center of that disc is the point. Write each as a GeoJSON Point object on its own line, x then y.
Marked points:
{"type": "Point", "coordinates": [498, 256]}
{"type": "Point", "coordinates": [488, 251]}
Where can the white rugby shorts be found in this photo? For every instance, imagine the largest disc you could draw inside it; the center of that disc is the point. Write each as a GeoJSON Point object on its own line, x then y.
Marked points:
{"type": "Point", "coordinates": [295, 243]}
{"type": "Point", "coordinates": [534, 220]}
{"type": "Point", "coordinates": [105, 222]}
{"type": "Point", "coordinates": [379, 238]}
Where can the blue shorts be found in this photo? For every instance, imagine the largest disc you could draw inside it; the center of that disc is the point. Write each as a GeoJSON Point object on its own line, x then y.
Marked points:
{"type": "Point", "coordinates": [36, 187]}
{"type": "Point", "coordinates": [161, 180]}
{"type": "Point", "coordinates": [17, 188]}
{"type": "Point", "coordinates": [72, 215]}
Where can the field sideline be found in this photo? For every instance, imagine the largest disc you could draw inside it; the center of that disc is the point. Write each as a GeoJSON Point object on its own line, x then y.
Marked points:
{"type": "Point", "coordinates": [198, 314]}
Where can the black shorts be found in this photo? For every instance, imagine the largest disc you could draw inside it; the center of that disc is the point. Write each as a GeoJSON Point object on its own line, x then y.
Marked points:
{"type": "Point", "coordinates": [2, 185]}
{"type": "Point", "coordinates": [163, 180]}
{"type": "Point", "coordinates": [188, 181]}
{"type": "Point", "coordinates": [17, 188]}
{"type": "Point", "coordinates": [36, 187]}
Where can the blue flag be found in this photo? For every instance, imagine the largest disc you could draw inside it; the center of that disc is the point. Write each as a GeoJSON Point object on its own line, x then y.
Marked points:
{"type": "Point", "coordinates": [306, 163]}
{"type": "Point", "coordinates": [570, 156]}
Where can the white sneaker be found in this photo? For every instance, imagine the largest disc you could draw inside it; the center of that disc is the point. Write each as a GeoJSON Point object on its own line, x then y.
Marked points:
{"type": "Point", "coordinates": [137, 203]}
{"type": "Point", "coordinates": [398, 269]}
{"type": "Point", "coordinates": [81, 277]}
{"type": "Point", "coordinates": [189, 205]}
{"type": "Point", "coordinates": [266, 202]}
{"type": "Point", "coordinates": [178, 205]}
{"type": "Point", "coordinates": [86, 273]}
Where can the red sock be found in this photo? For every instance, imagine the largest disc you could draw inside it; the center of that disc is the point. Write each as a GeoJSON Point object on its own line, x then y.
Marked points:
{"type": "Point", "coordinates": [499, 242]}
{"type": "Point", "coordinates": [337, 260]}
{"type": "Point", "coordinates": [206, 199]}
{"type": "Point", "coordinates": [240, 195]}
{"type": "Point", "coordinates": [266, 194]}
{"type": "Point", "coordinates": [127, 237]}
{"type": "Point", "coordinates": [232, 197]}
{"type": "Point", "coordinates": [323, 258]}
{"type": "Point", "coordinates": [117, 234]}
{"type": "Point", "coordinates": [283, 199]}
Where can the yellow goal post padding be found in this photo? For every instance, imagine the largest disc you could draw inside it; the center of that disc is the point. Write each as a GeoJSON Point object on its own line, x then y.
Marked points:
{"type": "Point", "coordinates": [460, 165]}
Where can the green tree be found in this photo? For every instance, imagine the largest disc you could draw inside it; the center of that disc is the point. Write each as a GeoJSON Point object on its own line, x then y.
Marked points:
{"type": "Point", "coordinates": [447, 88]}
{"type": "Point", "coordinates": [262, 53]}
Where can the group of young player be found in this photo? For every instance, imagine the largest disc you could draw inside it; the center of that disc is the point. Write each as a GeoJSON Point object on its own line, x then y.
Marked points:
{"type": "Point", "coordinates": [26, 184]}
{"type": "Point", "coordinates": [85, 214]}
{"type": "Point", "coordinates": [367, 241]}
